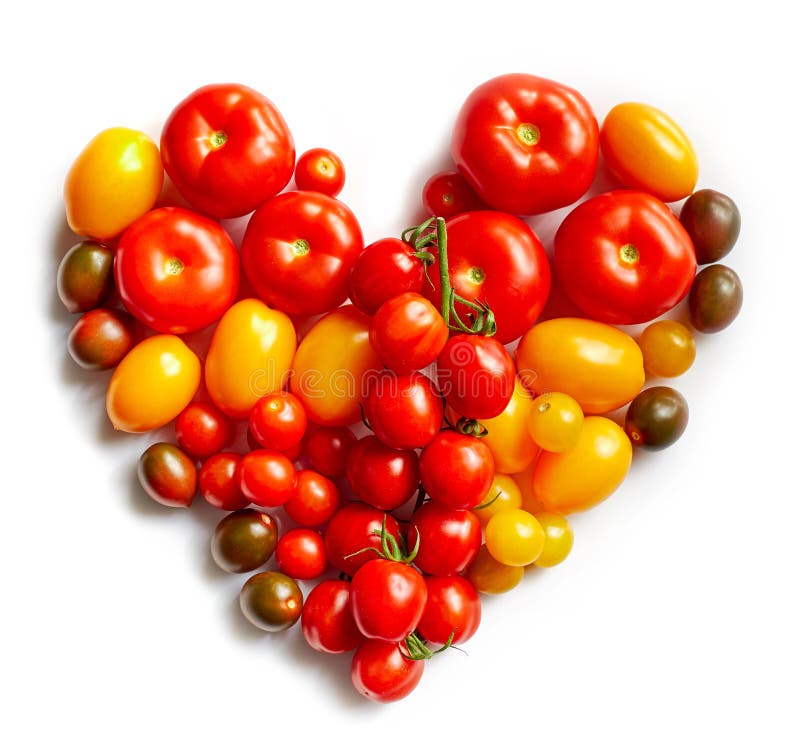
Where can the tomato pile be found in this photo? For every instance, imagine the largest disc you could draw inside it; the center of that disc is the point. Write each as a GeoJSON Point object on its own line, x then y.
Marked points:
{"type": "Point", "coordinates": [393, 425]}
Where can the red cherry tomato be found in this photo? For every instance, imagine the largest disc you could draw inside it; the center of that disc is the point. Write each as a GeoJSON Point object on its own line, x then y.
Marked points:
{"type": "Point", "coordinates": [623, 257]}
{"type": "Point", "coordinates": [300, 554]}
{"type": "Point", "coordinates": [449, 539]}
{"type": "Point", "coordinates": [218, 482]}
{"type": "Point", "coordinates": [327, 619]}
{"type": "Point", "coordinates": [315, 499]}
{"type": "Point", "coordinates": [298, 249]}
{"type": "Point", "coordinates": [326, 449]}
{"type": "Point", "coordinates": [453, 606]}
{"type": "Point", "coordinates": [293, 452]}
{"type": "Point", "coordinates": [384, 672]}
{"type": "Point", "coordinates": [202, 430]}
{"type": "Point", "coordinates": [267, 478]}
{"type": "Point", "coordinates": [382, 476]}
{"type": "Point", "coordinates": [227, 149]}
{"type": "Point", "coordinates": [278, 421]}
{"type": "Point", "coordinates": [319, 170]}
{"type": "Point", "coordinates": [525, 144]}
{"type": "Point", "coordinates": [447, 194]}
{"type": "Point", "coordinates": [351, 529]}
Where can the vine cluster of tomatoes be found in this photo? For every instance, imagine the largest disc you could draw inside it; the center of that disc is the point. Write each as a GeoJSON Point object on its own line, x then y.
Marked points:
{"type": "Point", "coordinates": [472, 456]}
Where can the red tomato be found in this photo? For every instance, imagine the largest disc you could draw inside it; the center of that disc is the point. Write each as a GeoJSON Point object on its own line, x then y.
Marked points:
{"type": "Point", "coordinates": [319, 170]}
{"type": "Point", "coordinates": [315, 499]}
{"type": "Point", "coordinates": [218, 482]}
{"type": "Point", "coordinates": [497, 259]}
{"type": "Point", "coordinates": [382, 270]}
{"type": "Point", "coordinates": [278, 421]}
{"type": "Point", "coordinates": [267, 478]}
{"type": "Point", "coordinates": [453, 606]}
{"type": "Point", "coordinates": [404, 412]}
{"type": "Point", "coordinates": [449, 539]}
{"type": "Point", "coordinates": [300, 554]}
{"type": "Point", "coordinates": [383, 672]}
{"type": "Point", "coordinates": [525, 144]}
{"type": "Point", "coordinates": [382, 476]}
{"type": "Point", "coordinates": [176, 271]}
{"type": "Point", "coordinates": [202, 430]}
{"type": "Point", "coordinates": [351, 529]}
{"type": "Point", "coordinates": [227, 149]}
{"type": "Point", "coordinates": [447, 194]}
{"type": "Point", "coordinates": [623, 257]}
{"type": "Point", "coordinates": [298, 249]}
{"type": "Point", "coordinates": [327, 619]}
{"type": "Point", "coordinates": [326, 449]}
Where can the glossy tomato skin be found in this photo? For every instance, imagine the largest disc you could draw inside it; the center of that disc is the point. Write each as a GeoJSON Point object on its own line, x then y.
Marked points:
{"type": "Point", "coordinates": [85, 276]}
{"type": "Point", "coordinates": [267, 478]}
{"type": "Point", "coordinates": [271, 601]}
{"type": "Point", "coordinates": [350, 530]}
{"type": "Point", "coordinates": [447, 194]}
{"type": "Point", "coordinates": [525, 144]}
{"type": "Point", "coordinates": [202, 430]}
{"type": "Point", "coordinates": [623, 257]}
{"type": "Point", "coordinates": [278, 421]}
{"type": "Point", "coordinates": [168, 475]}
{"type": "Point", "coordinates": [176, 271]}
{"type": "Point", "coordinates": [244, 540]}
{"type": "Point", "coordinates": [301, 554]}
{"type": "Point", "coordinates": [298, 250]}
{"type": "Point", "coordinates": [489, 576]}
{"type": "Point", "coordinates": [101, 338]}
{"type": "Point", "coordinates": [218, 481]}
{"type": "Point", "coordinates": [320, 170]}
{"type": "Point", "coordinates": [713, 222]}
{"type": "Point", "coordinates": [227, 149]}
{"type": "Point", "coordinates": [384, 672]}
{"type": "Point", "coordinates": [715, 298]}
{"type": "Point", "coordinates": [656, 418]}
{"type": "Point", "coordinates": [453, 607]}
{"type": "Point", "coordinates": [327, 619]}
{"type": "Point", "coordinates": [381, 476]}
{"type": "Point", "coordinates": [448, 539]}
{"type": "Point", "coordinates": [315, 499]}
{"type": "Point", "coordinates": [326, 449]}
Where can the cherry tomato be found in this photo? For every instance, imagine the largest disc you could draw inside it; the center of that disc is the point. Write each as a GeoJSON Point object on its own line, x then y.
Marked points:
{"type": "Point", "coordinates": [504, 494]}
{"type": "Point", "coordinates": [278, 421]}
{"type": "Point", "coordinates": [381, 476]}
{"type": "Point", "coordinates": [168, 475]}
{"type": "Point", "coordinates": [657, 418]}
{"type": "Point", "coordinates": [352, 529]}
{"type": "Point", "coordinates": [319, 170]}
{"type": "Point", "coordinates": [447, 194]}
{"type": "Point", "coordinates": [646, 150]}
{"type": "Point", "coordinates": [202, 430]}
{"type": "Point", "coordinates": [298, 250]}
{"type": "Point", "coordinates": [715, 299]}
{"type": "Point", "coordinates": [101, 338]}
{"type": "Point", "coordinates": [448, 539]}
{"type": "Point", "coordinates": [293, 452]}
{"type": "Point", "coordinates": [525, 144]}
{"type": "Point", "coordinates": [384, 672]}
{"type": "Point", "coordinates": [456, 470]}
{"type": "Point", "coordinates": [514, 537]}
{"type": "Point", "coordinates": [271, 601]}
{"type": "Point", "coordinates": [301, 554]}
{"type": "Point", "coordinates": [712, 221]}
{"type": "Point", "coordinates": [243, 541]}
{"type": "Point", "coordinates": [327, 619]}
{"type": "Point", "coordinates": [524, 480]}
{"type": "Point", "coordinates": [668, 348]}
{"type": "Point", "coordinates": [85, 276]}
{"type": "Point", "coordinates": [453, 608]}
{"type": "Point", "coordinates": [555, 421]}
{"type": "Point", "coordinates": [267, 478]}
{"type": "Point", "coordinates": [326, 449]}
{"type": "Point", "coordinates": [227, 149]}
{"type": "Point", "coordinates": [115, 180]}
{"type": "Point", "coordinates": [315, 499]}
{"type": "Point", "coordinates": [489, 576]}
{"type": "Point", "coordinates": [218, 481]}
{"type": "Point", "coordinates": [558, 539]}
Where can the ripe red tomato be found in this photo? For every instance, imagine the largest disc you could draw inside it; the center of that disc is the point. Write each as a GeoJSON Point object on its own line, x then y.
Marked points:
{"type": "Point", "coordinates": [384, 672]}
{"type": "Point", "coordinates": [351, 529]}
{"type": "Point", "coordinates": [202, 430]}
{"type": "Point", "coordinates": [298, 249]}
{"type": "Point", "coordinates": [525, 144]}
{"type": "Point", "coordinates": [218, 482]}
{"type": "Point", "coordinates": [497, 259]}
{"type": "Point", "coordinates": [319, 170]}
{"type": "Point", "coordinates": [278, 421]}
{"type": "Point", "coordinates": [267, 478]}
{"type": "Point", "coordinates": [326, 449]}
{"type": "Point", "coordinates": [176, 271]}
{"type": "Point", "coordinates": [300, 554]}
{"type": "Point", "coordinates": [227, 149]}
{"type": "Point", "coordinates": [382, 476]}
{"type": "Point", "coordinates": [623, 257]}
{"type": "Point", "coordinates": [453, 606]}
{"type": "Point", "coordinates": [449, 539]}
{"type": "Point", "coordinates": [447, 194]}
{"type": "Point", "coordinates": [315, 499]}
{"type": "Point", "coordinates": [327, 619]}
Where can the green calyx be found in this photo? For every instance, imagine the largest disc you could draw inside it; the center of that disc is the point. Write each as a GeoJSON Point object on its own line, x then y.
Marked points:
{"type": "Point", "coordinates": [418, 648]}
{"type": "Point", "coordinates": [392, 548]}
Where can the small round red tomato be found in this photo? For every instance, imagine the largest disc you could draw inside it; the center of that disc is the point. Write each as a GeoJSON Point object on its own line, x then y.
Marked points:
{"type": "Point", "coordinates": [300, 554]}
{"type": "Point", "coordinates": [327, 619]}
{"type": "Point", "coordinates": [298, 249]}
{"type": "Point", "coordinates": [101, 338]}
{"type": "Point", "coordinates": [383, 270]}
{"type": "Point", "coordinates": [176, 271]}
{"type": "Point", "coordinates": [293, 452]}
{"type": "Point", "coordinates": [278, 421]}
{"type": "Point", "coordinates": [319, 170]}
{"type": "Point", "coordinates": [381, 476]}
{"type": "Point", "coordinates": [447, 194]}
{"type": "Point", "coordinates": [202, 430]}
{"type": "Point", "coordinates": [453, 608]}
{"type": "Point", "coordinates": [456, 470]}
{"type": "Point", "coordinates": [384, 672]}
{"type": "Point", "coordinates": [449, 539]}
{"type": "Point", "coordinates": [227, 149]}
{"type": "Point", "coordinates": [267, 478]}
{"type": "Point", "coordinates": [315, 499]}
{"type": "Point", "coordinates": [352, 529]}
{"type": "Point", "coordinates": [326, 449]}
{"type": "Point", "coordinates": [168, 475]}
{"type": "Point", "coordinates": [218, 481]}
{"type": "Point", "coordinates": [623, 257]}
{"type": "Point", "coordinates": [404, 412]}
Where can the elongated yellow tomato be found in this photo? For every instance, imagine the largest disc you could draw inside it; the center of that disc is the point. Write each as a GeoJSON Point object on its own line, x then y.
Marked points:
{"type": "Point", "coordinates": [153, 383]}
{"type": "Point", "coordinates": [598, 365]}
{"type": "Point", "coordinates": [250, 356]}
{"type": "Point", "coordinates": [646, 150]}
{"type": "Point", "coordinates": [586, 474]}
{"type": "Point", "coordinates": [332, 367]}
{"type": "Point", "coordinates": [115, 180]}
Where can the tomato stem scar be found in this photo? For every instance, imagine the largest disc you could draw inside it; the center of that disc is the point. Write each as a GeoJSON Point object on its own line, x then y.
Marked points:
{"type": "Point", "coordinates": [173, 266]}
{"type": "Point", "coordinates": [218, 139]}
{"type": "Point", "coordinates": [629, 253]}
{"type": "Point", "coordinates": [301, 247]}
{"type": "Point", "coordinates": [528, 134]}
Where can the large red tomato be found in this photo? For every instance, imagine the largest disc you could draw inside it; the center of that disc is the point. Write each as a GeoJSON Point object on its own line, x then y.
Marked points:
{"type": "Point", "coordinates": [525, 144]}
{"type": "Point", "coordinates": [624, 258]}
{"type": "Point", "coordinates": [298, 250]}
{"type": "Point", "coordinates": [227, 149]}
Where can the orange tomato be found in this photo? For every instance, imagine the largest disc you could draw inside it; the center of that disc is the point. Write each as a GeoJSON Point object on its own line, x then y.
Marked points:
{"type": "Point", "coordinates": [489, 576]}
{"type": "Point", "coordinates": [524, 480]}
{"type": "Point", "coordinates": [668, 348]}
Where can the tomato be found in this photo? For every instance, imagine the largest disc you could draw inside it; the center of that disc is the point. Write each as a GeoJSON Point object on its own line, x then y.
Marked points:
{"type": "Point", "coordinates": [404, 412]}
{"type": "Point", "coordinates": [383, 270]}
{"type": "Point", "coordinates": [326, 449]}
{"type": "Point", "coordinates": [407, 332]}
{"type": "Point", "coordinates": [101, 338]}
{"type": "Point", "coordinates": [525, 144]}
{"type": "Point", "coordinates": [453, 608]}
{"type": "Point", "coordinates": [555, 421]}
{"type": "Point", "coordinates": [115, 180]}
{"type": "Point", "coordinates": [497, 259]}
{"type": "Point", "coordinates": [331, 366]}
{"type": "Point", "coordinates": [598, 365]}
{"type": "Point", "coordinates": [218, 481]}
{"type": "Point", "coordinates": [168, 475]}
{"type": "Point", "coordinates": [271, 601]}
{"type": "Point", "coordinates": [456, 470]}
{"type": "Point", "coordinates": [447, 194]}
{"type": "Point", "coordinates": [524, 480]}
{"type": "Point", "coordinates": [298, 249]}
{"type": "Point", "coordinates": [278, 421]}
{"type": "Point", "coordinates": [656, 418]}
{"type": "Point", "coordinates": [250, 356]}
{"type": "Point", "coordinates": [504, 494]}
{"type": "Point", "coordinates": [713, 222]}
{"type": "Point", "coordinates": [351, 529]}
{"type": "Point", "coordinates": [623, 257]}
{"type": "Point", "coordinates": [202, 430]}
{"type": "Point", "coordinates": [489, 576]}
{"type": "Point", "coordinates": [243, 541]}
{"type": "Point", "coordinates": [381, 476]}
{"type": "Point", "coordinates": [327, 619]}
{"type": "Point", "coordinates": [514, 537]}
{"type": "Point", "coordinates": [448, 539]}
{"type": "Point", "coordinates": [267, 478]}
{"type": "Point", "coordinates": [384, 672]}
{"type": "Point", "coordinates": [315, 499]}
{"type": "Point", "coordinates": [558, 540]}
{"type": "Point", "coordinates": [176, 271]}
{"type": "Point", "coordinates": [319, 170]}
{"type": "Point", "coordinates": [85, 276]}
{"type": "Point", "coordinates": [586, 474]}
{"type": "Point", "coordinates": [227, 149]}
{"type": "Point", "coordinates": [668, 348]}
{"type": "Point", "coordinates": [646, 150]}
{"type": "Point", "coordinates": [152, 384]}
{"type": "Point", "coordinates": [301, 554]}
{"type": "Point", "coordinates": [715, 298]}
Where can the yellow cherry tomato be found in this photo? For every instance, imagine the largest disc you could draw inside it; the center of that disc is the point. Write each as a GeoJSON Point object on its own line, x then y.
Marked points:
{"type": "Point", "coordinates": [646, 150]}
{"type": "Point", "coordinates": [667, 347]}
{"type": "Point", "coordinates": [332, 366]}
{"type": "Point", "coordinates": [524, 480]}
{"type": "Point", "coordinates": [250, 356]}
{"type": "Point", "coordinates": [489, 576]}
{"type": "Point", "coordinates": [153, 383]}
{"type": "Point", "coordinates": [555, 421]}
{"type": "Point", "coordinates": [115, 180]}
{"type": "Point", "coordinates": [558, 539]}
{"type": "Point", "coordinates": [514, 537]}
{"type": "Point", "coordinates": [598, 365]}
{"type": "Point", "coordinates": [504, 494]}
{"type": "Point", "coordinates": [590, 471]}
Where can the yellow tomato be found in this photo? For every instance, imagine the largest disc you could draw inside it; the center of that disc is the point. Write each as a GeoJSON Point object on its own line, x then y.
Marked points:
{"type": "Point", "coordinates": [332, 367]}
{"type": "Point", "coordinates": [555, 421]}
{"type": "Point", "coordinates": [489, 576]}
{"type": "Point", "coordinates": [153, 383]}
{"type": "Point", "coordinates": [115, 179]}
{"type": "Point", "coordinates": [590, 471]}
{"type": "Point", "coordinates": [514, 537]}
{"type": "Point", "coordinates": [558, 539]}
{"type": "Point", "coordinates": [667, 347]}
{"type": "Point", "coordinates": [250, 356]}
{"type": "Point", "coordinates": [524, 480]}
{"type": "Point", "coordinates": [598, 365]}
{"type": "Point", "coordinates": [646, 150]}
{"type": "Point", "coordinates": [504, 494]}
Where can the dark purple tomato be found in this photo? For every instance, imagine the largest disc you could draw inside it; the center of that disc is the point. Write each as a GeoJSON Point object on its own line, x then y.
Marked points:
{"type": "Point", "coordinates": [101, 338]}
{"type": "Point", "coordinates": [85, 276]}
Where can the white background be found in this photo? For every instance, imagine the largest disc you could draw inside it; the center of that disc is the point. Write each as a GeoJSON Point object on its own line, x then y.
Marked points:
{"type": "Point", "coordinates": [676, 613]}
